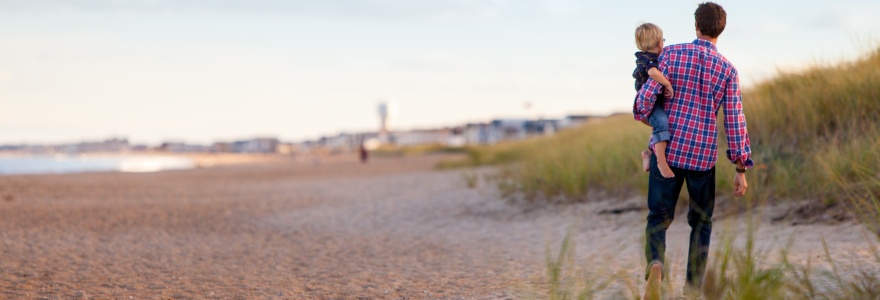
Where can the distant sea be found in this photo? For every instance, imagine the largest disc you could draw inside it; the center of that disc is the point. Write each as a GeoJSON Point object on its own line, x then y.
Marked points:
{"type": "Point", "coordinates": [59, 164]}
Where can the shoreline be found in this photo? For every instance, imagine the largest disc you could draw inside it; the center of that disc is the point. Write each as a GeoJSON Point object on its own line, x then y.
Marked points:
{"type": "Point", "coordinates": [124, 162]}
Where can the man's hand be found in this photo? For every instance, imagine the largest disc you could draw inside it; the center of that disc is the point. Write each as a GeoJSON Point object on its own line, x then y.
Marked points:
{"type": "Point", "coordinates": [739, 184]}
{"type": "Point", "coordinates": [668, 92]}
{"type": "Point", "coordinates": [645, 121]}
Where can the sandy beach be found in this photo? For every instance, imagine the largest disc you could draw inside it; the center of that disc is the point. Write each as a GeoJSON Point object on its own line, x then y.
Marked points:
{"type": "Point", "coordinates": [394, 228]}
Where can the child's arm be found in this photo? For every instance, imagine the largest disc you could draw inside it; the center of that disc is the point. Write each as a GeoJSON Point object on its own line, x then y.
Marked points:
{"type": "Point", "coordinates": [659, 78]}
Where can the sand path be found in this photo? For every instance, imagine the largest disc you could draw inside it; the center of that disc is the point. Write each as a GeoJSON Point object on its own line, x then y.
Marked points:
{"type": "Point", "coordinates": [391, 229]}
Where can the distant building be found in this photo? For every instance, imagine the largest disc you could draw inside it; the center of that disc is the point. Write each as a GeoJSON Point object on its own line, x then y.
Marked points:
{"type": "Point", "coordinates": [495, 131]}
{"type": "Point", "coordinates": [111, 145]}
{"type": "Point", "coordinates": [139, 148]}
{"type": "Point", "coordinates": [478, 133]}
{"type": "Point", "coordinates": [308, 147]}
{"type": "Point", "coordinates": [343, 142]}
{"type": "Point", "coordinates": [542, 127]}
{"type": "Point", "coordinates": [171, 147]}
{"type": "Point", "coordinates": [507, 129]}
{"type": "Point", "coordinates": [257, 145]}
{"type": "Point", "coordinates": [11, 148]}
{"type": "Point", "coordinates": [422, 137]}
{"type": "Point", "coordinates": [181, 147]}
{"type": "Point", "coordinates": [573, 120]}
{"type": "Point", "coordinates": [221, 147]}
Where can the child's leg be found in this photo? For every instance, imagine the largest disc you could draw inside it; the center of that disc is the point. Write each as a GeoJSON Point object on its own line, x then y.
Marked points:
{"type": "Point", "coordinates": [660, 122]}
{"type": "Point", "coordinates": [646, 160]}
{"type": "Point", "coordinates": [662, 165]}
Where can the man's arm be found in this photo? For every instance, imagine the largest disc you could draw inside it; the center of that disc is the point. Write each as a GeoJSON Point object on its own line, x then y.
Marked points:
{"type": "Point", "coordinates": [739, 149]}
{"type": "Point", "coordinates": [645, 99]}
{"type": "Point", "coordinates": [739, 146]}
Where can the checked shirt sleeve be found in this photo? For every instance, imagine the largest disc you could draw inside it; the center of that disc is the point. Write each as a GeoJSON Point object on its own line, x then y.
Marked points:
{"type": "Point", "coordinates": [739, 148]}
{"type": "Point", "coordinates": [645, 99]}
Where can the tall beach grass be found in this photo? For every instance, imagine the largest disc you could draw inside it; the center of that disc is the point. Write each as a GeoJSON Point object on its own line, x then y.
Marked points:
{"type": "Point", "coordinates": [815, 135]}
{"type": "Point", "coordinates": [738, 269]}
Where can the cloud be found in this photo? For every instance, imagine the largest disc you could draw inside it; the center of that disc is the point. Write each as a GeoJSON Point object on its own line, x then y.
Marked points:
{"type": "Point", "coordinates": [435, 9]}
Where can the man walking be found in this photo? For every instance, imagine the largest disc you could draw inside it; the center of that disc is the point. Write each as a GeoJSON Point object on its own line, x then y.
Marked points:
{"type": "Point", "coordinates": [704, 82]}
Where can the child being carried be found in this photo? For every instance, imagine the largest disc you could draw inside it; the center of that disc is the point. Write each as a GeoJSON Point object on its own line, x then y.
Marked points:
{"type": "Point", "coordinates": [649, 39]}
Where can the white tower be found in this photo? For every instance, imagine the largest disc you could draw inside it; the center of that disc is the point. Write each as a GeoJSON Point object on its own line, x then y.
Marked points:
{"type": "Point", "coordinates": [383, 118]}
{"type": "Point", "coordinates": [387, 110]}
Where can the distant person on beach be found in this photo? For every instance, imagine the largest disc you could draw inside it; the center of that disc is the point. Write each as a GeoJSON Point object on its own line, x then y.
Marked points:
{"type": "Point", "coordinates": [649, 40]}
{"type": "Point", "coordinates": [704, 81]}
{"type": "Point", "coordinates": [365, 155]}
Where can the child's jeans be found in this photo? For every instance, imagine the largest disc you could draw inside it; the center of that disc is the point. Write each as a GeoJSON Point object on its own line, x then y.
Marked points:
{"type": "Point", "coordinates": [659, 120]}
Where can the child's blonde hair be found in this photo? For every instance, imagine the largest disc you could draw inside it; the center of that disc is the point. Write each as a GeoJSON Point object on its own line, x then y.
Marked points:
{"type": "Point", "coordinates": [648, 36]}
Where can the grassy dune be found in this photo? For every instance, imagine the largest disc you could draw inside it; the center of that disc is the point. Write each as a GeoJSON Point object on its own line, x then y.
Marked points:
{"type": "Point", "coordinates": [815, 134]}
{"type": "Point", "coordinates": [819, 131]}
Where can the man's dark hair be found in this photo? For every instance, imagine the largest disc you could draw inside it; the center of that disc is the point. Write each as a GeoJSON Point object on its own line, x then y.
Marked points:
{"type": "Point", "coordinates": [711, 19]}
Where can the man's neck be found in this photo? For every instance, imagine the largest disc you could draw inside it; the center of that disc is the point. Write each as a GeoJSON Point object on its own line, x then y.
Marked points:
{"type": "Point", "coordinates": [712, 40]}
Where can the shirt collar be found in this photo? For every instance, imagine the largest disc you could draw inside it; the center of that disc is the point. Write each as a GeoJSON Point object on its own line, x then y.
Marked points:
{"type": "Point", "coordinates": [706, 44]}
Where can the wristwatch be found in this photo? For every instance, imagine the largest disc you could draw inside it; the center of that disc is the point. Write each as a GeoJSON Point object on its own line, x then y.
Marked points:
{"type": "Point", "coordinates": [740, 170]}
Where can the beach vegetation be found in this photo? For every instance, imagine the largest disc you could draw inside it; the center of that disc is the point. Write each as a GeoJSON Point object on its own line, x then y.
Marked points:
{"type": "Point", "coordinates": [815, 134]}
{"type": "Point", "coordinates": [738, 270]}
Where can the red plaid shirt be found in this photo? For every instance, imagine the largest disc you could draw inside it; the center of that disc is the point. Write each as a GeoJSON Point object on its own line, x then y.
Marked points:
{"type": "Point", "coordinates": [704, 81]}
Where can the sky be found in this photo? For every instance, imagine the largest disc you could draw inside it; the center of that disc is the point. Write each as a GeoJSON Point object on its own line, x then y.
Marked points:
{"type": "Point", "coordinates": [201, 71]}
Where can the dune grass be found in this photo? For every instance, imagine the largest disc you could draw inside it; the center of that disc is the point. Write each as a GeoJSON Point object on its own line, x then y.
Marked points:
{"type": "Point", "coordinates": [737, 271]}
{"type": "Point", "coordinates": [815, 128]}
{"type": "Point", "coordinates": [602, 154]}
{"type": "Point", "coordinates": [815, 135]}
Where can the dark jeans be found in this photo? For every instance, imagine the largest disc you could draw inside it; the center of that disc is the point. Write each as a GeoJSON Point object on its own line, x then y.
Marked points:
{"type": "Point", "coordinates": [662, 196]}
{"type": "Point", "coordinates": [659, 121]}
